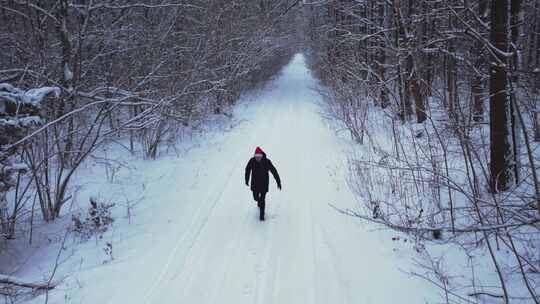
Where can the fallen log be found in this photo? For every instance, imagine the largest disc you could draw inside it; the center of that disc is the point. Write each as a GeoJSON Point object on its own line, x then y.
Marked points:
{"type": "Point", "coordinates": [10, 280]}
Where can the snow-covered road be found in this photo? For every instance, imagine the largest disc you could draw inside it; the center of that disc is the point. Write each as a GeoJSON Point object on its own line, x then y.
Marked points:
{"type": "Point", "coordinates": [306, 252]}
{"type": "Point", "coordinates": [197, 238]}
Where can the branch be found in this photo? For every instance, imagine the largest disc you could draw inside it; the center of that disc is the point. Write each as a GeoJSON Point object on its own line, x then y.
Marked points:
{"type": "Point", "coordinates": [9, 280]}
{"type": "Point", "coordinates": [143, 5]}
{"type": "Point", "coordinates": [477, 294]}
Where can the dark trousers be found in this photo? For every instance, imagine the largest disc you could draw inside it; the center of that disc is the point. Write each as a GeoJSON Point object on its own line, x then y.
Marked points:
{"type": "Point", "coordinates": [259, 198]}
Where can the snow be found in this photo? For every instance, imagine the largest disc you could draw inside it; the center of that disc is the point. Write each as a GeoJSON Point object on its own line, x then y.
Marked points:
{"type": "Point", "coordinates": [9, 92]}
{"type": "Point", "coordinates": [193, 234]}
{"type": "Point", "coordinates": [30, 121]}
{"type": "Point", "coordinates": [9, 122]}
{"type": "Point", "coordinates": [34, 96]}
{"type": "Point", "coordinates": [68, 74]}
{"type": "Point", "coordinates": [31, 97]}
{"type": "Point", "coordinates": [23, 121]}
{"type": "Point", "coordinates": [15, 167]}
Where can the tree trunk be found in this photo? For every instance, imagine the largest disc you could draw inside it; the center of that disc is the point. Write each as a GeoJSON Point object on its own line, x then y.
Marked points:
{"type": "Point", "coordinates": [405, 107]}
{"type": "Point", "coordinates": [476, 85]}
{"type": "Point", "coordinates": [382, 60]}
{"type": "Point", "coordinates": [501, 152]}
{"type": "Point", "coordinates": [536, 68]}
{"type": "Point", "coordinates": [451, 79]}
{"type": "Point", "coordinates": [478, 105]}
{"type": "Point", "coordinates": [416, 70]}
{"type": "Point", "coordinates": [419, 99]}
{"type": "Point", "coordinates": [515, 10]}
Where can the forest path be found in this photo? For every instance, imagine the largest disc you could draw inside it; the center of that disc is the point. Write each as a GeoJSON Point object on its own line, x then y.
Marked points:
{"type": "Point", "coordinates": [203, 241]}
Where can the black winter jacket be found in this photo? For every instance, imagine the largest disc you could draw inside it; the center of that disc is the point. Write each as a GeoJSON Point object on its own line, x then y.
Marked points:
{"type": "Point", "coordinates": [259, 174]}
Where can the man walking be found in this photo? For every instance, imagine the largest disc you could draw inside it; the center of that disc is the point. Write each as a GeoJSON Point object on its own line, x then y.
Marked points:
{"type": "Point", "coordinates": [258, 167]}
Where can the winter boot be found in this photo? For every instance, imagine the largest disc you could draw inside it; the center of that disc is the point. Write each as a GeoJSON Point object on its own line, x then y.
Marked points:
{"type": "Point", "coordinates": [261, 211]}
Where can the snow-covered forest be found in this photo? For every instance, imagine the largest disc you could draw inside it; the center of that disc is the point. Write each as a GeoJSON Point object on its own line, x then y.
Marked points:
{"type": "Point", "coordinates": [443, 97]}
{"type": "Point", "coordinates": [406, 134]}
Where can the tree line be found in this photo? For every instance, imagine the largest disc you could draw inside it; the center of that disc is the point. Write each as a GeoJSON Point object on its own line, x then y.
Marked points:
{"type": "Point", "coordinates": [76, 74]}
{"type": "Point", "coordinates": [457, 84]}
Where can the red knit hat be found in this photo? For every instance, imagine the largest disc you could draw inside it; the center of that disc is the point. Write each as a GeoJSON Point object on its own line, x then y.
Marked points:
{"type": "Point", "coordinates": [258, 150]}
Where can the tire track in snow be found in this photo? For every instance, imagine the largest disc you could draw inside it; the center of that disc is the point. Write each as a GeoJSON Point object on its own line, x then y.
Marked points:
{"type": "Point", "coordinates": [263, 260]}
{"type": "Point", "coordinates": [208, 246]}
{"type": "Point", "coordinates": [216, 196]}
{"type": "Point", "coordinates": [305, 252]}
{"type": "Point", "coordinates": [266, 281]}
{"type": "Point", "coordinates": [181, 239]}
{"type": "Point", "coordinates": [180, 242]}
{"type": "Point", "coordinates": [288, 279]}
{"type": "Point", "coordinates": [249, 218]}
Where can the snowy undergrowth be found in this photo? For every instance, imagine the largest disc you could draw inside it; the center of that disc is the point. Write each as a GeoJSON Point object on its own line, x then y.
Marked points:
{"type": "Point", "coordinates": [414, 179]}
